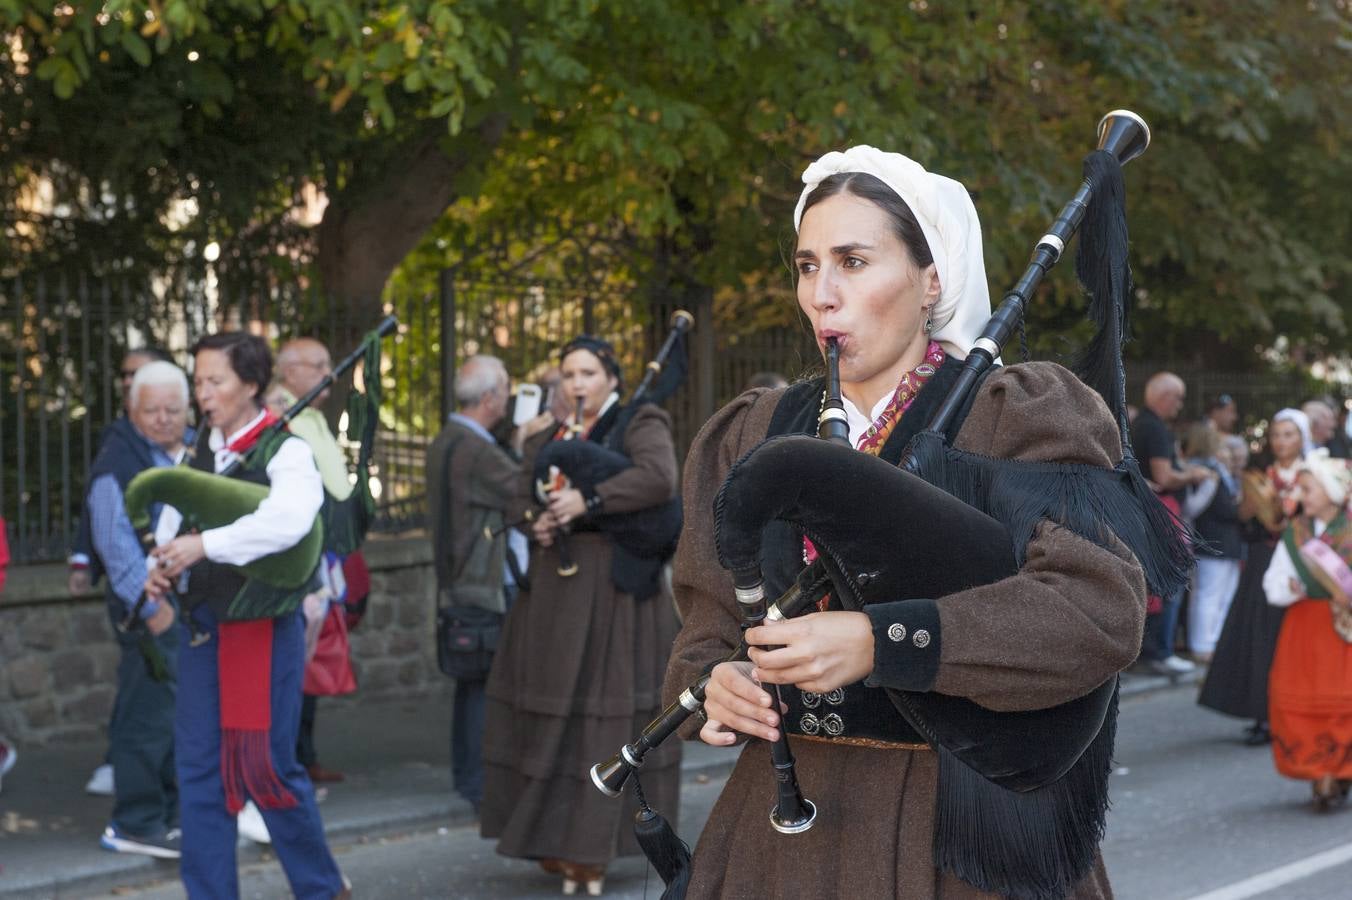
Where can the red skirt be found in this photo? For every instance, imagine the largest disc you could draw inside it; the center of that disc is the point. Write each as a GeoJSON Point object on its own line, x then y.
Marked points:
{"type": "Point", "coordinates": [1310, 695]}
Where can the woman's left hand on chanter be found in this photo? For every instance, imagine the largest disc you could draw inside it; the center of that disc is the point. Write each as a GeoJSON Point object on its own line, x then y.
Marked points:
{"type": "Point", "coordinates": [183, 552]}
{"type": "Point", "coordinates": [567, 505]}
{"type": "Point", "coordinates": [818, 652]}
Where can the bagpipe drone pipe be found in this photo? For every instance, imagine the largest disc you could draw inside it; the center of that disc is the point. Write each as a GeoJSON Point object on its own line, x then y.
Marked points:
{"type": "Point", "coordinates": [275, 584]}
{"type": "Point", "coordinates": [1022, 795]}
{"type": "Point", "coordinates": [644, 538]}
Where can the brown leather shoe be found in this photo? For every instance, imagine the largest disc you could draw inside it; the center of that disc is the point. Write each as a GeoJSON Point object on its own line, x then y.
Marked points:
{"type": "Point", "coordinates": [321, 775]}
{"type": "Point", "coordinates": [1329, 793]}
{"type": "Point", "coordinates": [592, 878]}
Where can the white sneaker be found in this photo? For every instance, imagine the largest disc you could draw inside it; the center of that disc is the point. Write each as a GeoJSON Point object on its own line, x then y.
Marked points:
{"type": "Point", "coordinates": [101, 782]}
{"type": "Point", "coordinates": [1178, 664]}
{"type": "Point", "coordinates": [251, 824]}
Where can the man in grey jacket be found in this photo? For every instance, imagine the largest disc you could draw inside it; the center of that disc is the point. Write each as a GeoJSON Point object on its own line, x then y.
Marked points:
{"type": "Point", "coordinates": [470, 482]}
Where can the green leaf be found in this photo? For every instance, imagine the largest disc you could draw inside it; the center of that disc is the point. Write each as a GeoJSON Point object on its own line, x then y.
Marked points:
{"type": "Point", "coordinates": [136, 48]}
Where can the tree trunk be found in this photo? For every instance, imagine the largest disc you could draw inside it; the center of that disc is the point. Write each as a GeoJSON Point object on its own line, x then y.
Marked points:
{"type": "Point", "coordinates": [369, 228]}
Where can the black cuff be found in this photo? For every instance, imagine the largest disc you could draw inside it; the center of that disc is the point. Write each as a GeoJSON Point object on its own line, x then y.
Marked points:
{"type": "Point", "coordinates": [591, 498]}
{"type": "Point", "coordinates": [905, 644]}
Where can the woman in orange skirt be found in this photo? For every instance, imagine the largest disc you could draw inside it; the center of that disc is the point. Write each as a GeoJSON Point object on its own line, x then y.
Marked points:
{"type": "Point", "coordinates": [1310, 691]}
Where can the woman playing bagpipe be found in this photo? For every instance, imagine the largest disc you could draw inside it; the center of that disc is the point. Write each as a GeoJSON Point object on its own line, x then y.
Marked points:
{"type": "Point", "coordinates": [1237, 679]}
{"type": "Point", "coordinates": [239, 689]}
{"type": "Point", "coordinates": [889, 270]}
{"type": "Point", "coordinates": [583, 654]}
{"type": "Point", "coordinates": [1310, 690]}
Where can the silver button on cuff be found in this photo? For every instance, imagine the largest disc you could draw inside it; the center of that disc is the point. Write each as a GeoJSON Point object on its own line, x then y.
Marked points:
{"type": "Point", "coordinates": [833, 724]}
{"type": "Point", "coordinates": [896, 632]}
{"type": "Point", "coordinates": [835, 697]}
{"type": "Point", "coordinates": [809, 724]}
{"type": "Point", "coordinates": [921, 638]}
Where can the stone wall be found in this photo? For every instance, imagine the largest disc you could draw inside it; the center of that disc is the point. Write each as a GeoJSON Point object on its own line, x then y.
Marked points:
{"type": "Point", "coordinates": [58, 659]}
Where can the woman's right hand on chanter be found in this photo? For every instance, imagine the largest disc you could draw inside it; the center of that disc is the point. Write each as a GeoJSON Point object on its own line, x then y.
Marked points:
{"type": "Point", "coordinates": [734, 703]}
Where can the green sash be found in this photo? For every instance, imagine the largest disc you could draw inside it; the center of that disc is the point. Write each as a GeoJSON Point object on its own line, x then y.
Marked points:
{"type": "Point", "coordinates": [1338, 536]}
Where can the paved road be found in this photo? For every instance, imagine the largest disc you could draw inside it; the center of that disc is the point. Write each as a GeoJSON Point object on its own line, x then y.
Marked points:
{"type": "Point", "coordinates": [1196, 815]}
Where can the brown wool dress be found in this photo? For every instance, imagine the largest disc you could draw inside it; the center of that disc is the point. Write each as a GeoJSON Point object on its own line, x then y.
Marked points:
{"type": "Point", "coordinates": [578, 674]}
{"type": "Point", "coordinates": [1067, 622]}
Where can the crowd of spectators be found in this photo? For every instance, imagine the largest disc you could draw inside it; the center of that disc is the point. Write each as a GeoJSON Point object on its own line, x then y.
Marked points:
{"type": "Point", "coordinates": [1267, 612]}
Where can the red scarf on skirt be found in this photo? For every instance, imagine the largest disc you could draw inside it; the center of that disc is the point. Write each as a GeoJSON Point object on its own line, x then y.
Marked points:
{"type": "Point", "coordinates": [244, 670]}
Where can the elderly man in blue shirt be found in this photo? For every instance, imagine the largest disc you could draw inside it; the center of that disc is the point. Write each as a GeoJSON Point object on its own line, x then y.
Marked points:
{"type": "Point", "coordinates": [141, 738]}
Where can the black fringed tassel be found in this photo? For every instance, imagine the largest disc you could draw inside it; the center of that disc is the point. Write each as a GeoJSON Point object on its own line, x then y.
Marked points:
{"type": "Point", "coordinates": [669, 855]}
{"type": "Point", "coordinates": [1090, 501]}
{"type": "Point", "coordinates": [1103, 269]}
{"type": "Point", "coordinates": [1025, 846]}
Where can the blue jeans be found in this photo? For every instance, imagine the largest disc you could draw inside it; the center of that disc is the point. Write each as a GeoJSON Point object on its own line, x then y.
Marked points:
{"type": "Point", "coordinates": [209, 832]}
{"type": "Point", "coordinates": [1158, 641]}
{"type": "Point", "coordinates": [467, 740]}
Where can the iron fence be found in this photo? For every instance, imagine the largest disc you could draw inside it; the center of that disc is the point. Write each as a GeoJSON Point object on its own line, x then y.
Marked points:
{"type": "Point", "coordinates": [61, 342]}
{"type": "Point", "coordinates": [1257, 395]}
{"type": "Point", "coordinates": [61, 339]}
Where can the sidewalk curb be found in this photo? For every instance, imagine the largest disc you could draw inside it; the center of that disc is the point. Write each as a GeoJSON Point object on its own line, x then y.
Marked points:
{"type": "Point", "coordinates": [406, 814]}
{"type": "Point", "coordinates": [121, 870]}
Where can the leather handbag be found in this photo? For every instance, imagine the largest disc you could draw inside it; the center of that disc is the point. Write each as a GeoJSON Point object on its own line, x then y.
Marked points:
{"type": "Point", "coordinates": [467, 637]}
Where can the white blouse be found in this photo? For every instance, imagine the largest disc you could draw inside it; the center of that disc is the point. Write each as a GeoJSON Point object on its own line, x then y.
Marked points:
{"type": "Point", "coordinates": [1281, 572]}
{"type": "Point", "coordinates": [858, 422]}
{"type": "Point", "coordinates": [295, 495]}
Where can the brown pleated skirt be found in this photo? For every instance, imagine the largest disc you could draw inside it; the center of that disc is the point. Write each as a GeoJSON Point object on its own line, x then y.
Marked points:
{"type": "Point", "coordinates": [578, 675]}
{"type": "Point", "coordinates": [872, 838]}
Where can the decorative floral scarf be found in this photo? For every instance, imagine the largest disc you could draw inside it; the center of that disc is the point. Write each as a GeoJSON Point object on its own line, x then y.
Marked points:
{"type": "Point", "coordinates": [876, 435]}
{"type": "Point", "coordinates": [1285, 486]}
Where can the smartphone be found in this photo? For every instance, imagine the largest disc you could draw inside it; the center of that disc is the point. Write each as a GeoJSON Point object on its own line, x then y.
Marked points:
{"type": "Point", "coordinates": [528, 403]}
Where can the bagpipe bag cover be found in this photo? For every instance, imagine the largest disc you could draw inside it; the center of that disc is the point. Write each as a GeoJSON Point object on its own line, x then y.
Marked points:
{"type": "Point", "coordinates": [646, 533]}
{"type": "Point", "coordinates": [211, 501]}
{"type": "Point", "coordinates": [909, 539]}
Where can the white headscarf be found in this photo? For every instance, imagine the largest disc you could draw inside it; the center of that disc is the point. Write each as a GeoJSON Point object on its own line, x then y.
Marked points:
{"type": "Point", "coordinates": [1332, 474]}
{"type": "Point", "coordinates": [951, 228]}
{"type": "Point", "coordinates": [1302, 422]}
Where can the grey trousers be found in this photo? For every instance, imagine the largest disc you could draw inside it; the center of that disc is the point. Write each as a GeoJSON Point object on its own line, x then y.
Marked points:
{"type": "Point", "coordinates": [141, 738]}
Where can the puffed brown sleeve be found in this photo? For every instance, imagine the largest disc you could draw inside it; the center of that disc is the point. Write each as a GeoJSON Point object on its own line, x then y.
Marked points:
{"type": "Point", "coordinates": [703, 589]}
{"type": "Point", "coordinates": [652, 478]}
{"type": "Point", "coordinates": [1073, 615]}
{"type": "Point", "coordinates": [1069, 621]}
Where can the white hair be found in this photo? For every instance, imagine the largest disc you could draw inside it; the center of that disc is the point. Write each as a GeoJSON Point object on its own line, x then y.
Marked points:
{"type": "Point", "coordinates": [159, 374]}
{"type": "Point", "coordinates": [1313, 408]}
{"type": "Point", "coordinates": [479, 375]}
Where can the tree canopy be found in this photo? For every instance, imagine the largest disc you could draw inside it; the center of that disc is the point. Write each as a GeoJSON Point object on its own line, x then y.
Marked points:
{"type": "Point", "coordinates": [675, 130]}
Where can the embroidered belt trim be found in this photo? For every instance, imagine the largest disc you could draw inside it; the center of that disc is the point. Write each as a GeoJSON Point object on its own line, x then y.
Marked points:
{"type": "Point", "coordinates": [872, 743]}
